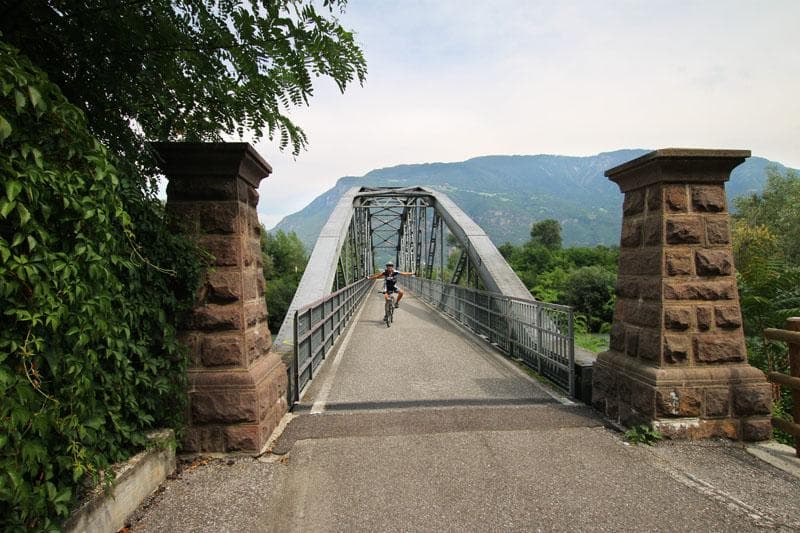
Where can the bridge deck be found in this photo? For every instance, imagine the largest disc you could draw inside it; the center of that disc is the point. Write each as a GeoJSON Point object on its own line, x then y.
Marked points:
{"type": "Point", "coordinates": [423, 360]}
{"type": "Point", "coordinates": [421, 428]}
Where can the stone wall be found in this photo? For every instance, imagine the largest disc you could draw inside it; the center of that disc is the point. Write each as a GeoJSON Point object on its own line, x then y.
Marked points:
{"type": "Point", "coordinates": [677, 357]}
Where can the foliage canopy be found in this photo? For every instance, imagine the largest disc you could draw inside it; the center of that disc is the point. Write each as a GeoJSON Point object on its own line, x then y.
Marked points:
{"type": "Point", "coordinates": [582, 277]}
{"type": "Point", "coordinates": [89, 359]}
{"type": "Point", "coordinates": [767, 256]}
{"type": "Point", "coordinates": [547, 233]}
{"type": "Point", "coordinates": [186, 69]}
{"type": "Point", "coordinates": [284, 259]}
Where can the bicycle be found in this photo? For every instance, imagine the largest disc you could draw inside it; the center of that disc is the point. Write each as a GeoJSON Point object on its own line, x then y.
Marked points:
{"type": "Point", "coordinates": [388, 309]}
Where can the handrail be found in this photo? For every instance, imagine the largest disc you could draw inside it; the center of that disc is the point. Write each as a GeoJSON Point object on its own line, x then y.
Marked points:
{"type": "Point", "coordinates": [316, 327]}
{"type": "Point", "coordinates": [791, 336]}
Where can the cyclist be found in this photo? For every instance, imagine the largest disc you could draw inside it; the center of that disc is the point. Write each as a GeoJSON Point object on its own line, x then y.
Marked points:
{"type": "Point", "coordinates": [390, 282]}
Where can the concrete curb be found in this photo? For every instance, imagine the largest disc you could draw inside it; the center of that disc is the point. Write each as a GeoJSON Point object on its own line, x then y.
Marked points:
{"type": "Point", "coordinates": [778, 455]}
{"type": "Point", "coordinates": [137, 478]}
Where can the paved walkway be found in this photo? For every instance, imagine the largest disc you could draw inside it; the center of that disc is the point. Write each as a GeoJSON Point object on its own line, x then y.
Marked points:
{"type": "Point", "coordinates": [421, 427]}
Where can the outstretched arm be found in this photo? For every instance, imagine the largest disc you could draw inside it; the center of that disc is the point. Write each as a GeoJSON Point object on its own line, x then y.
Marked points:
{"type": "Point", "coordinates": [406, 273]}
{"type": "Point", "coordinates": [375, 276]}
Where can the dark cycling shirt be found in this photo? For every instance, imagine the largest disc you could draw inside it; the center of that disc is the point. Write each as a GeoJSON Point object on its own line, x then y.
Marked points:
{"type": "Point", "coordinates": [390, 280]}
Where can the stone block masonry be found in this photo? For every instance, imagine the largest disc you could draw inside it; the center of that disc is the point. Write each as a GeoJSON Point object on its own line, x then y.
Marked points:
{"type": "Point", "coordinates": [237, 391]}
{"type": "Point", "coordinates": [677, 357]}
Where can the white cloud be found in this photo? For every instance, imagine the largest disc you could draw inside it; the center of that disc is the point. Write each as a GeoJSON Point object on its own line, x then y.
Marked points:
{"type": "Point", "coordinates": [452, 80]}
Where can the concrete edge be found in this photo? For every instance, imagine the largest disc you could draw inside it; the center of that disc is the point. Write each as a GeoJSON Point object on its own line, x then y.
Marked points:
{"type": "Point", "coordinates": [107, 510]}
{"type": "Point", "coordinates": [778, 455]}
{"type": "Point", "coordinates": [514, 364]}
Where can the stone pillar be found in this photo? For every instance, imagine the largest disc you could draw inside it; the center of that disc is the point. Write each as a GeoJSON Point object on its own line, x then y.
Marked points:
{"type": "Point", "coordinates": [677, 357]}
{"type": "Point", "coordinates": [237, 387]}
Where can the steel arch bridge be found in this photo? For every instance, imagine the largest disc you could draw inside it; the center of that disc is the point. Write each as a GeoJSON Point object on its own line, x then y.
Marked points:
{"type": "Point", "coordinates": [418, 228]}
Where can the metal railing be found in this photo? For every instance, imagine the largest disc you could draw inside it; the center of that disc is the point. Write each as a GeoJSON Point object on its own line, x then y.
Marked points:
{"type": "Point", "coordinates": [791, 336]}
{"type": "Point", "coordinates": [538, 333]}
{"type": "Point", "coordinates": [316, 328]}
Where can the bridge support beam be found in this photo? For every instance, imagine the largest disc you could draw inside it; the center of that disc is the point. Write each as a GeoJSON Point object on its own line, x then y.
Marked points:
{"type": "Point", "coordinates": [237, 387]}
{"type": "Point", "coordinates": [677, 357]}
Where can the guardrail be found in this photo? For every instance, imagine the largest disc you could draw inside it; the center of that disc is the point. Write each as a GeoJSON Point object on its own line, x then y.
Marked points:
{"type": "Point", "coordinates": [316, 328]}
{"type": "Point", "coordinates": [791, 336]}
{"type": "Point", "coordinates": [538, 333]}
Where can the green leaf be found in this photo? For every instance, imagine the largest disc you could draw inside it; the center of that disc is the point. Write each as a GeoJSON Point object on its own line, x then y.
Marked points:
{"type": "Point", "coordinates": [13, 189]}
{"type": "Point", "coordinates": [24, 214]}
{"type": "Point", "coordinates": [35, 95]}
{"type": "Point", "coordinates": [5, 128]}
{"type": "Point", "coordinates": [95, 422]}
{"type": "Point", "coordinates": [37, 157]}
{"type": "Point", "coordinates": [64, 496]}
{"type": "Point", "coordinates": [20, 101]}
{"type": "Point", "coordinates": [6, 208]}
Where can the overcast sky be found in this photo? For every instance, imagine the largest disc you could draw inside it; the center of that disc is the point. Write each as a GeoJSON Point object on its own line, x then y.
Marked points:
{"type": "Point", "coordinates": [451, 80]}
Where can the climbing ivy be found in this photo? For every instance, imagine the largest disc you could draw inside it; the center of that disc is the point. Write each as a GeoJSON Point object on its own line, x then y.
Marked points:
{"type": "Point", "coordinates": [89, 358]}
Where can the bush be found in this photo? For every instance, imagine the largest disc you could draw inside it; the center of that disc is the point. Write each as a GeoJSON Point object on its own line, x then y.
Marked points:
{"type": "Point", "coordinates": [285, 261]}
{"type": "Point", "coordinates": [89, 358]}
{"type": "Point", "coordinates": [590, 290]}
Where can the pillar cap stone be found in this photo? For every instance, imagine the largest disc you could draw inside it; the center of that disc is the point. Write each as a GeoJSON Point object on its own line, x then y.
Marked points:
{"type": "Point", "coordinates": [207, 160]}
{"type": "Point", "coordinates": [682, 165]}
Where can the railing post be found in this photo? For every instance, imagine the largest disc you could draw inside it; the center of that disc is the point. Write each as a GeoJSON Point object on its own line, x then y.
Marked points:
{"type": "Point", "coordinates": [793, 324]}
{"type": "Point", "coordinates": [296, 364]}
{"type": "Point", "coordinates": [509, 327]}
{"type": "Point", "coordinates": [571, 341]}
{"type": "Point", "coordinates": [539, 339]}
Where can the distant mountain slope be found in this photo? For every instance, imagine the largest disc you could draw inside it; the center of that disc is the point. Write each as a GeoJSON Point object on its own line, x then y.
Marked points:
{"type": "Point", "coordinates": [506, 194]}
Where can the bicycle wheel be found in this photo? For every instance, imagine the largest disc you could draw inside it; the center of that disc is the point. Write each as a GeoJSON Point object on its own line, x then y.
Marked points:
{"type": "Point", "coordinates": [388, 309]}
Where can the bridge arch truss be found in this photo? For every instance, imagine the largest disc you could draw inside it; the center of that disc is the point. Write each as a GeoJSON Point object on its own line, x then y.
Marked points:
{"type": "Point", "coordinates": [417, 228]}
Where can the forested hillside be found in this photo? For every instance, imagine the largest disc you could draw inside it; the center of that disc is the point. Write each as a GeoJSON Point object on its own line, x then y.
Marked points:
{"type": "Point", "coordinates": [506, 194]}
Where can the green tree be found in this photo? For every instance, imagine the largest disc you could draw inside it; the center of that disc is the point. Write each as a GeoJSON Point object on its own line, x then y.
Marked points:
{"type": "Point", "coordinates": [285, 260]}
{"type": "Point", "coordinates": [767, 256]}
{"type": "Point", "coordinates": [590, 290]}
{"type": "Point", "coordinates": [777, 209]}
{"type": "Point", "coordinates": [767, 252]}
{"type": "Point", "coordinates": [506, 250]}
{"type": "Point", "coordinates": [186, 69]}
{"type": "Point", "coordinates": [605, 256]}
{"type": "Point", "coordinates": [547, 233]}
{"type": "Point", "coordinates": [89, 356]}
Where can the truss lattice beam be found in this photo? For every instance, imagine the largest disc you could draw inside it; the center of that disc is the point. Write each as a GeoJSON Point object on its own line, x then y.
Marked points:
{"type": "Point", "coordinates": [396, 220]}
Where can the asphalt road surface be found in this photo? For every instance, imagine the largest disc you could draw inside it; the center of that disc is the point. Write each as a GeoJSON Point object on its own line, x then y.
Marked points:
{"type": "Point", "coordinates": [422, 427]}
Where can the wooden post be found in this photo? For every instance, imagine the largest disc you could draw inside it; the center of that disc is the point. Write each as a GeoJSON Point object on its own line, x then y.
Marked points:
{"type": "Point", "coordinates": [793, 324]}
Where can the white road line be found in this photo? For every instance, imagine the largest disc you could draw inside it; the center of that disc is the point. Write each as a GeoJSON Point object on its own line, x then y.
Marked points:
{"type": "Point", "coordinates": [325, 390]}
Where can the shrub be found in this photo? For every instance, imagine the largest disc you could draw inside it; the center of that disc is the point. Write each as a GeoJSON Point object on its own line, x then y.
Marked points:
{"type": "Point", "coordinates": [89, 358]}
{"type": "Point", "coordinates": [284, 262]}
{"type": "Point", "coordinates": [590, 290]}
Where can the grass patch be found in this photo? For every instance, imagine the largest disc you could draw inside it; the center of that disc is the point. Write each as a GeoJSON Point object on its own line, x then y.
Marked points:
{"type": "Point", "coordinates": [642, 434]}
{"type": "Point", "coordinates": [594, 342]}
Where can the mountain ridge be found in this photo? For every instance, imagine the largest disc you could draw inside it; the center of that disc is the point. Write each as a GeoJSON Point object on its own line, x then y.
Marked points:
{"type": "Point", "coordinates": [505, 194]}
